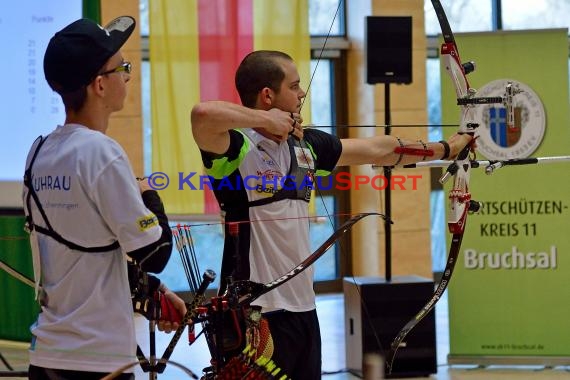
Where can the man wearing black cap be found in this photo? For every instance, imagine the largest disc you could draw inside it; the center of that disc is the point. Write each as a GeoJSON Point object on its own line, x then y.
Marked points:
{"type": "Point", "coordinates": [85, 210]}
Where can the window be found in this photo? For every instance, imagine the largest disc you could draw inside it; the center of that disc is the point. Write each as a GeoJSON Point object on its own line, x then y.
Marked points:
{"type": "Point", "coordinates": [463, 16]}
{"type": "Point", "coordinates": [322, 13]}
{"type": "Point", "coordinates": [529, 14]}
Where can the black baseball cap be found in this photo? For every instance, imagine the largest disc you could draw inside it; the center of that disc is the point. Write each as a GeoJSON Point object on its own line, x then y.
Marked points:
{"type": "Point", "coordinates": [77, 52]}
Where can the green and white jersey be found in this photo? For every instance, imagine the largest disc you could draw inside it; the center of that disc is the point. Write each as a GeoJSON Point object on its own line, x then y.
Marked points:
{"type": "Point", "coordinates": [276, 239]}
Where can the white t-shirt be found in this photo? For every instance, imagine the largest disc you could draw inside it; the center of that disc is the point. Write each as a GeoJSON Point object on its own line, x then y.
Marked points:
{"type": "Point", "coordinates": [278, 237]}
{"type": "Point", "coordinates": [90, 195]}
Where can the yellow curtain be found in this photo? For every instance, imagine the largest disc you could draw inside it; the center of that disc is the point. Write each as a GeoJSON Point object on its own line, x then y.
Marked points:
{"type": "Point", "coordinates": [175, 87]}
{"type": "Point", "coordinates": [175, 81]}
{"type": "Point", "coordinates": [284, 25]}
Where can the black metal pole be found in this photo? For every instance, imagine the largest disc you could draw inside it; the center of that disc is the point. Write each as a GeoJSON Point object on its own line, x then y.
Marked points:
{"type": "Point", "coordinates": [387, 192]}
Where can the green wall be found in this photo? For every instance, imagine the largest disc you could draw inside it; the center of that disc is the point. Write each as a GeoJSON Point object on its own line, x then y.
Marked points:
{"type": "Point", "coordinates": [19, 309]}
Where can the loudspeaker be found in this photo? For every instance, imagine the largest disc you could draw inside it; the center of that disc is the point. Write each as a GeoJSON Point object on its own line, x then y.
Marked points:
{"type": "Point", "coordinates": [374, 307]}
{"type": "Point", "coordinates": [388, 49]}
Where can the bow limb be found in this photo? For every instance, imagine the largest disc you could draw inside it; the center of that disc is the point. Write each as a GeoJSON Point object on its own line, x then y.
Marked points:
{"type": "Point", "coordinates": [16, 274]}
{"type": "Point", "coordinates": [248, 291]}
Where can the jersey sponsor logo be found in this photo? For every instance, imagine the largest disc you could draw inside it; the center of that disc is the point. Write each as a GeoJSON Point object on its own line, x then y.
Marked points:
{"type": "Point", "coordinates": [52, 182]}
{"type": "Point", "coordinates": [265, 190]}
{"type": "Point", "coordinates": [269, 174]}
{"type": "Point", "coordinates": [268, 182]}
{"type": "Point", "coordinates": [268, 160]}
{"type": "Point", "coordinates": [147, 222]}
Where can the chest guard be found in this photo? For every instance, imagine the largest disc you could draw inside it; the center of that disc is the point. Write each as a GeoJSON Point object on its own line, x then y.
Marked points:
{"type": "Point", "coordinates": [298, 183]}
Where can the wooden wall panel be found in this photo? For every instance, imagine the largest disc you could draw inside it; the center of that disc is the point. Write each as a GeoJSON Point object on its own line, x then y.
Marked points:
{"type": "Point", "coordinates": [411, 242]}
{"type": "Point", "coordinates": [126, 126]}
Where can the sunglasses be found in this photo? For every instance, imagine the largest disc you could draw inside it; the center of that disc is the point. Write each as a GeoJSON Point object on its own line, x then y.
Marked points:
{"type": "Point", "coordinates": [125, 66]}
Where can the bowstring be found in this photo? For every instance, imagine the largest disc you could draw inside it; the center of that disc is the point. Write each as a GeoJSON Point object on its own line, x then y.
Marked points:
{"type": "Point", "coordinates": [331, 221]}
{"type": "Point", "coordinates": [329, 216]}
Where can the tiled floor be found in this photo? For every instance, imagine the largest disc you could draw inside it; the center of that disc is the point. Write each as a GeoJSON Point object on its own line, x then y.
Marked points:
{"type": "Point", "coordinates": [331, 315]}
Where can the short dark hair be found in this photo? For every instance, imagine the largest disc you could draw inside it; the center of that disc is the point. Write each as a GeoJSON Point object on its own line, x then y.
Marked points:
{"type": "Point", "coordinates": [259, 69]}
{"type": "Point", "coordinates": [74, 100]}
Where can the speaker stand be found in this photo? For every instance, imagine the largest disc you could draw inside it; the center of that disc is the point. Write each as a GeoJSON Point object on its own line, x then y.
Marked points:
{"type": "Point", "coordinates": [387, 190]}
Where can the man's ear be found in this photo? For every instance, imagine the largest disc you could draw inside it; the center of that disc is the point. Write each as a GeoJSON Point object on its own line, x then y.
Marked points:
{"type": "Point", "coordinates": [267, 96]}
{"type": "Point", "coordinates": [97, 84]}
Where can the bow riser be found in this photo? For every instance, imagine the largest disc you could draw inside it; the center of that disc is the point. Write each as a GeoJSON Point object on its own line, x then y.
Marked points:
{"type": "Point", "coordinates": [459, 196]}
{"type": "Point", "coordinates": [459, 205]}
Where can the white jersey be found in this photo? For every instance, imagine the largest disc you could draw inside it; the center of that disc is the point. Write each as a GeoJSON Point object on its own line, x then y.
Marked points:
{"type": "Point", "coordinates": [277, 239]}
{"type": "Point", "coordinates": [272, 253]}
{"type": "Point", "coordinates": [90, 195]}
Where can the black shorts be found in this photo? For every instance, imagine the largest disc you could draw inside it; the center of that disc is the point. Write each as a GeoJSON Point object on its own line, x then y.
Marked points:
{"type": "Point", "coordinates": [297, 343]}
{"type": "Point", "coordinates": [40, 373]}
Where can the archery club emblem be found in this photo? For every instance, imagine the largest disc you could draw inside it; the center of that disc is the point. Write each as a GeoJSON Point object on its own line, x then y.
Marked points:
{"type": "Point", "coordinates": [500, 139]}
